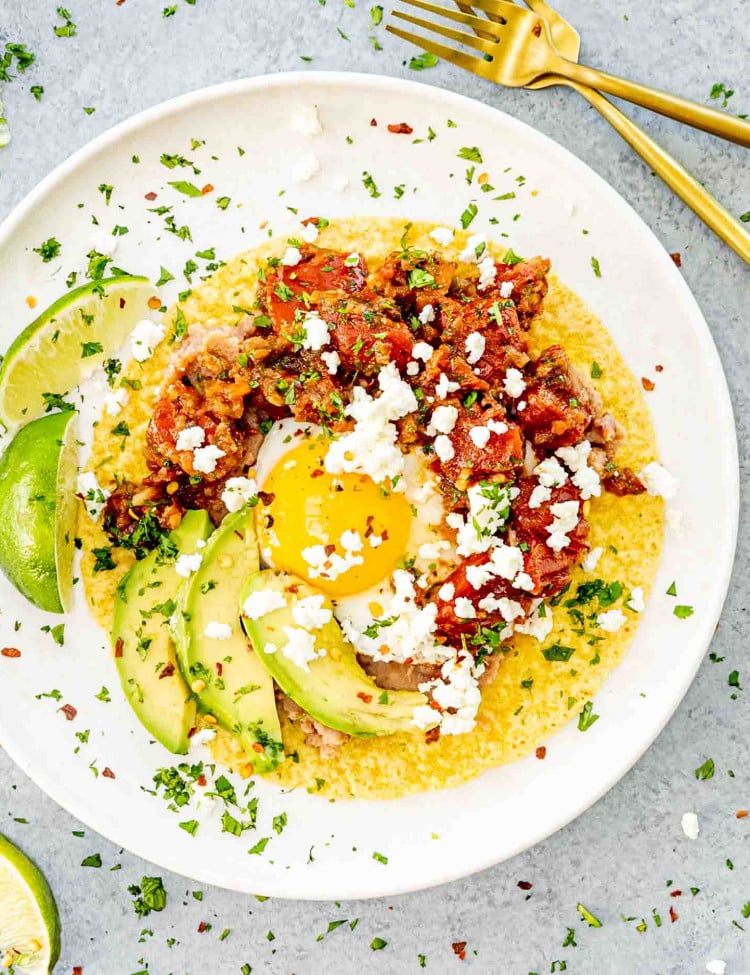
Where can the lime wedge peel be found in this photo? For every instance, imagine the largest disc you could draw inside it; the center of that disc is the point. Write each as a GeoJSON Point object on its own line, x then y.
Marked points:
{"type": "Point", "coordinates": [68, 342]}
{"type": "Point", "coordinates": [29, 919]}
{"type": "Point", "coordinates": [38, 510]}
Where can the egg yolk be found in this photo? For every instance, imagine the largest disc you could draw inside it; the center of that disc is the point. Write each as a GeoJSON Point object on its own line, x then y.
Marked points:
{"type": "Point", "coordinates": [341, 532]}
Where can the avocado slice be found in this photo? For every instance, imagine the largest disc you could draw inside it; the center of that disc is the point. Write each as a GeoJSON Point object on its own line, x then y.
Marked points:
{"type": "Point", "coordinates": [335, 690]}
{"type": "Point", "coordinates": [144, 652]}
{"type": "Point", "coordinates": [238, 689]}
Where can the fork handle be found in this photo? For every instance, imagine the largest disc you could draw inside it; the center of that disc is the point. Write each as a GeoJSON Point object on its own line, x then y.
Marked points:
{"type": "Point", "coordinates": [682, 109]}
{"type": "Point", "coordinates": [678, 179]}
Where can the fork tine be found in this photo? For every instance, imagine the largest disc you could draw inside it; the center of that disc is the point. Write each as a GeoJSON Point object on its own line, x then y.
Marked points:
{"type": "Point", "coordinates": [500, 8]}
{"type": "Point", "coordinates": [468, 20]}
{"type": "Point", "coordinates": [467, 9]}
{"type": "Point", "coordinates": [470, 40]}
{"type": "Point", "coordinates": [465, 61]}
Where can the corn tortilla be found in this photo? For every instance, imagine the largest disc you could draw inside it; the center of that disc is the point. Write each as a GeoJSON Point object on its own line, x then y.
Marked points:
{"type": "Point", "coordinates": [531, 697]}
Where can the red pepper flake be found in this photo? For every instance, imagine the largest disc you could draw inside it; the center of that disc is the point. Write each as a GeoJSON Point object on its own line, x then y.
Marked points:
{"type": "Point", "coordinates": [208, 188]}
{"type": "Point", "coordinates": [659, 368]}
{"type": "Point", "coordinates": [201, 780]}
{"type": "Point", "coordinates": [524, 884]}
{"type": "Point", "coordinates": [741, 814]}
{"type": "Point", "coordinates": [154, 303]}
{"type": "Point", "coordinates": [219, 668]}
{"type": "Point", "coordinates": [151, 196]}
{"type": "Point", "coordinates": [12, 652]}
{"type": "Point", "coordinates": [676, 893]}
{"type": "Point", "coordinates": [167, 670]}
{"type": "Point", "coordinates": [77, 970]}
{"type": "Point", "coordinates": [647, 384]}
{"type": "Point", "coordinates": [673, 915]}
{"type": "Point", "coordinates": [541, 752]}
{"type": "Point", "coordinates": [69, 711]}
{"type": "Point", "coordinates": [318, 472]}
{"type": "Point", "coordinates": [373, 122]}
{"type": "Point", "coordinates": [192, 731]}
{"type": "Point", "coordinates": [432, 735]}
{"type": "Point", "coordinates": [202, 927]}
{"type": "Point", "coordinates": [123, 302]}
{"type": "Point", "coordinates": [108, 773]}
{"type": "Point", "coordinates": [536, 30]}
{"type": "Point", "coordinates": [459, 949]}
{"type": "Point", "coordinates": [257, 747]}
{"type": "Point", "coordinates": [119, 644]}
{"type": "Point", "coordinates": [400, 128]}
{"type": "Point", "coordinates": [367, 698]}
{"type": "Point", "coordinates": [677, 258]}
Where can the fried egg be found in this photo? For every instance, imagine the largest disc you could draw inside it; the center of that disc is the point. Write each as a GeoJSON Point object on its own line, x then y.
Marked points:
{"type": "Point", "coordinates": [343, 533]}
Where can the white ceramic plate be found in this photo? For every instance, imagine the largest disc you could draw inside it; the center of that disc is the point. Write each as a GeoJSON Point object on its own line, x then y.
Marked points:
{"type": "Point", "coordinates": [642, 299]}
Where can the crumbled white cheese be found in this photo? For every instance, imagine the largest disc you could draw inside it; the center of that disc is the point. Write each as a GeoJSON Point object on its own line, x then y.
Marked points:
{"type": "Point", "coordinates": [444, 386]}
{"type": "Point", "coordinates": [144, 338]}
{"type": "Point", "coordinates": [537, 626]}
{"type": "Point", "coordinates": [190, 438]}
{"type": "Point", "coordinates": [509, 609]}
{"type": "Point", "coordinates": [507, 561]}
{"type": "Point", "coordinates": [506, 289]}
{"type": "Point", "coordinates": [659, 482]}
{"type": "Point", "coordinates": [636, 602]}
{"type": "Point", "coordinates": [426, 316]}
{"type": "Point", "coordinates": [474, 345]}
{"type": "Point", "coordinates": [186, 565]}
{"type": "Point", "coordinates": [306, 121]}
{"type": "Point", "coordinates": [565, 516]}
{"type": "Point", "coordinates": [497, 426]}
{"type": "Point", "coordinates": [690, 826]}
{"type": "Point", "coordinates": [205, 458]}
{"type": "Point", "coordinates": [480, 436]}
{"type": "Point", "coordinates": [371, 447]}
{"type": "Point", "coordinates": [611, 621]}
{"type": "Point", "coordinates": [513, 383]}
{"type": "Point", "coordinates": [375, 541]}
{"type": "Point", "coordinates": [539, 495]}
{"type": "Point", "coordinates": [584, 477]}
{"type": "Point", "coordinates": [524, 581]}
{"type": "Point", "coordinates": [476, 245]}
{"type": "Point", "coordinates": [410, 635]}
{"type": "Point", "coordinates": [237, 492]}
{"type": "Point", "coordinates": [300, 647]}
{"type": "Point", "coordinates": [716, 967]}
{"type": "Point", "coordinates": [443, 420]}
{"type": "Point", "coordinates": [479, 575]}
{"type": "Point", "coordinates": [94, 497]}
{"type": "Point", "coordinates": [442, 236]}
{"type": "Point", "coordinates": [464, 608]}
{"type": "Point", "coordinates": [218, 631]}
{"type": "Point", "coordinates": [591, 559]}
{"type": "Point", "coordinates": [307, 166]}
{"type": "Point", "coordinates": [551, 473]}
{"type": "Point", "coordinates": [202, 737]}
{"type": "Point", "coordinates": [423, 350]}
{"type": "Point", "coordinates": [351, 541]}
{"type": "Point", "coordinates": [329, 566]}
{"type": "Point", "coordinates": [487, 273]}
{"type": "Point", "coordinates": [262, 602]}
{"type": "Point", "coordinates": [444, 450]}
{"type": "Point", "coordinates": [114, 401]}
{"type": "Point", "coordinates": [351, 260]}
{"type": "Point", "coordinates": [308, 232]}
{"type": "Point", "coordinates": [315, 332]}
{"type": "Point", "coordinates": [412, 368]}
{"type": "Point", "coordinates": [446, 592]}
{"type": "Point", "coordinates": [456, 689]}
{"type": "Point", "coordinates": [489, 506]}
{"type": "Point", "coordinates": [588, 483]}
{"type": "Point", "coordinates": [270, 647]}
{"type": "Point", "coordinates": [291, 257]}
{"type": "Point", "coordinates": [310, 613]}
{"type": "Point", "coordinates": [332, 361]}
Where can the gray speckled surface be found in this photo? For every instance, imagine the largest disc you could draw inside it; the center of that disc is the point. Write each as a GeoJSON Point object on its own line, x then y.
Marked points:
{"type": "Point", "coordinates": [619, 857]}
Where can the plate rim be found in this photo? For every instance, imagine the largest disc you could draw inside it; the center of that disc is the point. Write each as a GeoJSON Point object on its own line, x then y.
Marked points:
{"type": "Point", "coordinates": [700, 332]}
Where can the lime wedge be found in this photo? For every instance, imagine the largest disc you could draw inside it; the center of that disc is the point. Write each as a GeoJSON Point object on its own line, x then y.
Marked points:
{"type": "Point", "coordinates": [38, 510]}
{"type": "Point", "coordinates": [29, 921]}
{"type": "Point", "coordinates": [67, 342]}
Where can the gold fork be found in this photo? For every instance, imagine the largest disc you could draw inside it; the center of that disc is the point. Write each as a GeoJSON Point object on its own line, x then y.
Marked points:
{"type": "Point", "coordinates": [701, 202]}
{"type": "Point", "coordinates": [516, 49]}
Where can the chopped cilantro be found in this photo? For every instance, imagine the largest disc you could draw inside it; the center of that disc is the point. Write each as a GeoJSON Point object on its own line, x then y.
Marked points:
{"type": "Point", "coordinates": [68, 29]}
{"type": "Point", "coordinates": [377, 944]}
{"type": "Point", "coordinates": [48, 250]}
{"type": "Point", "coordinates": [421, 61]}
{"type": "Point", "coordinates": [376, 15]}
{"type": "Point", "coordinates": [588, 917]}
{"type": "Point", "coordinates": [380, 857]}
{"type": "Point", "coordinates": [596, 370]}
{"type": "Point", "coordinates": [468, 215]}
{"type": "Point", "coordinates": [149, 895]}
{"type": "Point", "coordinates": [186, 187]}
{"type": "Point", "coordinates": [95, 860]}
{"type": "Point", "coordinates": [586, 718]}
{"type": "Point", "coordinates": [705, 771]}
{"type": "Point", "coordinates": [370, 185]}
{"type": "Point", "coordinates": [91, 348]}
{"type": "Point", "coordinates": [595, 265]}
{"type": "Point", "coordinates": [683, 612]}
{"type": "Point", "coordinates": [557, 652]}
{"type": "Point", "coordinates": [471, 153]}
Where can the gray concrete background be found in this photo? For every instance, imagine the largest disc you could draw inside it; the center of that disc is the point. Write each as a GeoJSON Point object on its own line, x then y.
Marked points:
{"type": "Point", "coordinates": [620, 857]}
